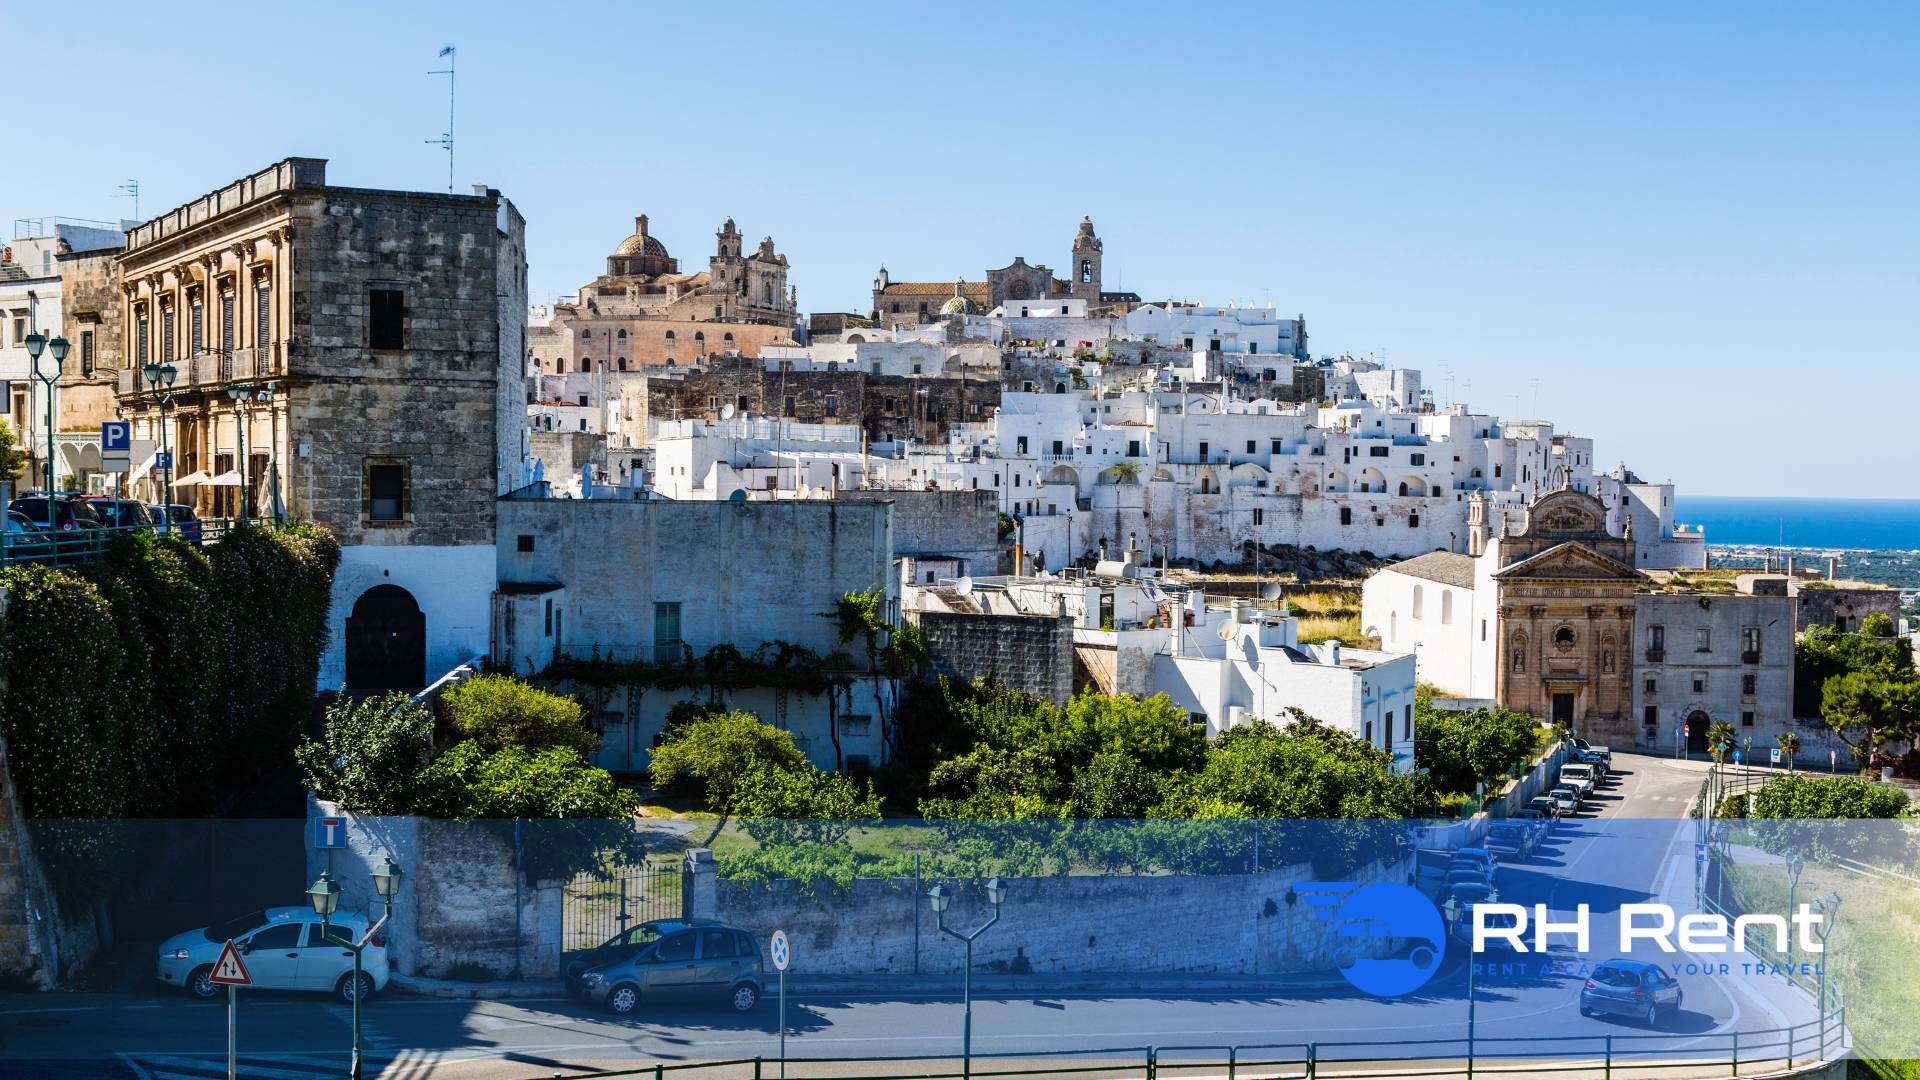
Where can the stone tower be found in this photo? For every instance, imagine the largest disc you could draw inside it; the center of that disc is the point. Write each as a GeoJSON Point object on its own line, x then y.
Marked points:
{"type": "Point", "coordinates": [729, 240]}
{"type": "Point", "coordinates": [1086, 263]}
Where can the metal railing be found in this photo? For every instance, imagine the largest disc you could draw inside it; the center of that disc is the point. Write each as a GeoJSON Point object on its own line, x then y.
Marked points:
{"type": "Point", "coordinates": [86, 544]}
{"type": "Point", "coordinates": [1761, 1051]}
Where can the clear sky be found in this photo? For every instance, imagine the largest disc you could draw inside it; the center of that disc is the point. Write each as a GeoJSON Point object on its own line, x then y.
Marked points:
{"type": "Point", "coordinates": [1688, 231]}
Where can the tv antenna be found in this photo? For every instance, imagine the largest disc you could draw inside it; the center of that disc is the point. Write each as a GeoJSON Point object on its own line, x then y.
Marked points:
{"type": "Point", "coordinates": [131, 190]}
{"type": "Point", "coordinates": [446, 140]}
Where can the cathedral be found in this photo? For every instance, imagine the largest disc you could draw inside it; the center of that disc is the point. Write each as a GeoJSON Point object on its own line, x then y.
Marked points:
{"type": "Point", "coordinates": [910, 303]}
{"type": "Point", "coordinates": [645, 312]}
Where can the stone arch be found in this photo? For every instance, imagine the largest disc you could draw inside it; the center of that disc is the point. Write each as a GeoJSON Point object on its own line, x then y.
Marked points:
{"type": "Point", "coordinates": [856, 339]}
{"type": "Point", "coordinates": [1517, 647]}
{"type": "Point", "coordinates": [1413, 485]}
{"type": "Point", "coordinates": [1337, 480]}
{"type": "Point", "coordinates": [386, 641]}
{"type": "Point", "coordinates": [1162, 474]}
{"type": "Point", "coordinates": [1372, 479]}
{"type": "Point", "coordinates": [1062, 474]}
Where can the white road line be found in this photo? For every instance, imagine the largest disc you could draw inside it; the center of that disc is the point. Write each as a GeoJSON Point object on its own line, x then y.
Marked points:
{"type": "Point", "coordinates": [134, 1067]}
{"type": "Point", "coordinates": [247, 1068]}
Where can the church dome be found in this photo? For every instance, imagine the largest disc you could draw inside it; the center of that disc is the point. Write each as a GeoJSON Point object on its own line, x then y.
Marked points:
{"type": "Point", "coordinates": [641, 244]}
{"type": "Point", "coordinates": [959, 305]}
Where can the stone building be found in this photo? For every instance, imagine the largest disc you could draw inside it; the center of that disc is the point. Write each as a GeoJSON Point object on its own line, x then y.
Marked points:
{"type": "Point", "coordinates": [376, 341]}
{"type": "Point", "coordinates": [910, 303]}
{"type": "Point", "coordinates": [33, 280]}
{"type": "Point", "coordinates": [91, 309]}
{"type": "Point", "coordinates": [644, 312]}
{"type": "Point", "coordinates": [887, 407]}
{"type": "Point", "coordinates": [1706, 658]}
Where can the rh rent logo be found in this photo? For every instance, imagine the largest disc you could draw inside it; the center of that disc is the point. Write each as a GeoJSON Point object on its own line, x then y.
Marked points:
{"type": "Point", "coordinates": [1654, 923]}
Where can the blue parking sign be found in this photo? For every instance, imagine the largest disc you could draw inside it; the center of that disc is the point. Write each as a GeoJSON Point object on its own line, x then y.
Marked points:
{"type": "Point", "coordinates": [329, 832]}
{"type": "Point", "coordinates": [116, 435]}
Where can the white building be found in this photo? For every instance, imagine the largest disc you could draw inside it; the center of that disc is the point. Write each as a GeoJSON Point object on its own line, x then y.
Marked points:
{"type": "Point", "coordinates": [30, 303]}
{"type": "Point", "coordinates": [755, 458]}
{"type": "Point", "coordinates": [1221, 329]}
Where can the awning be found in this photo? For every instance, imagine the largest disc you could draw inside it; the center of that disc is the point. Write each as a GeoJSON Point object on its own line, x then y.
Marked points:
{"type": "Point", "coordinates": [190, 479]}
{"type": "Point", "coordinates": [230, 478]}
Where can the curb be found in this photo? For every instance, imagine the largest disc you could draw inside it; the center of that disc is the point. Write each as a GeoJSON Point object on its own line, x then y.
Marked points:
{"type": "Point", "coordinates": [1116, 983]}
{"type": "Point", "coordinates": [487, 991]}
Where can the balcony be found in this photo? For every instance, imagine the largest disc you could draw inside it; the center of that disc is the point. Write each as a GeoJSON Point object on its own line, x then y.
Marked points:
{"type": "Point", "coordinates": [212, 370]}
{"type": "Point", "coordinates": [1656, 656]}
{"type": "Point", "coordinates": [1750, 657]}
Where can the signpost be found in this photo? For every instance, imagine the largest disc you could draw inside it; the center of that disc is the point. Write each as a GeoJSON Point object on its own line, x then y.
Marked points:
{"type": "Point", "coordinates": [231, 972]}
{"type": "Point", "coordinates": [329, 832]}
{"type": "Point", "coordinates": [782, 954]}
{"type": "Point", "coordinates": [1775, 755]}
{"type": "Point", "coordinates": [116, 446]}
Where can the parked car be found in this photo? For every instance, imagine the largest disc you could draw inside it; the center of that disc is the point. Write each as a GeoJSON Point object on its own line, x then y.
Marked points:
{"type": "Point", "coordinates": [182, 517]}
{"type": "Point", "coordinates": [1547, 806]}
{"type": "Point", "coordinates": [121, 513]}
{"type": "Point", "coordinates": [67, 516]}
{"type": "Point", "coordinates": [1631, 988]}
{"type": "Point", "coordinates": [1602, 752]}
{"type": "Point", "coordinates": [24, 539]}
{"type": "Point", "coordinates": [624, 944]}
{"type": "Point", "coordinates": [1516, 837]}
{"type": "Point", "coordinates": [689, 962]}
{"type": "Point", "coordinates": [1566, 798]}
{"type": "Point", "coordinates": [1470, 890]}
{"type": "Point", "coordinates": [1582, 776]}
{"type": "Point", "coordinates": [282, 949]}
{"type": "Point", "coordinates": [1502, 920]}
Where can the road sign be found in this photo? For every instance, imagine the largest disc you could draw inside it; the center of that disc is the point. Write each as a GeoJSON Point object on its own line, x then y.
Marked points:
{"type": "Point", "coordinates": [230, 970]}
{"type": "Point", "coordinates": [329, 832]}
{"type": "Point", "coordinates": [1699, 853]}
{"type": "Point", "coordinates": [1775, 755]}
{"type": "Point", "coordinates": [782, 955]}
{"type": "Point", "coordinates": [116, 435]}
{"type": "Point", "coordinates": [1736, 755]}
{"type": "Point", "coordinates": [781, 952]}
{"type": "Point", "coordinates": [163, 460]}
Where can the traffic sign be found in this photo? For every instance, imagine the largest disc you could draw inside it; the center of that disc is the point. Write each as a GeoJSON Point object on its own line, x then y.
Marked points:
{"type": "Point", "coordinates": [163, 460]}
{"type": "Point", "coordinates": [230, 970]}
{"type": "Point", "coordinates": [1699, 853]}
{"type": "Point", "coordinates": [1775, 755]}
{"type": "Point", "coordinates": [780, 951]}
{"type": "Point", "coordinates": [329, 832]}
{"type": "Point", "coordinates": [1736, 755]}
{"type": "Point", "coordinates": [116, 435]}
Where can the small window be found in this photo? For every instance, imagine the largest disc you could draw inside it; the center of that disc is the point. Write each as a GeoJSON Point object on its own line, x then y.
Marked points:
{"type": "Point", "coordinates": [386, 491]}
{"type": "Point", "coordinates": [1746, 719]}
{"type": "Point", "coordinates": [524, 543]}
{"type": "Point", "coordinates": [1702, 640]}
{"type": "Point", "coordinates": [718, 945]}
{"type": "Point", "coordinates": [386, 318]}
{"type": "Point", "coordinates": [1699, 682]}
{"type": "Point", "coordinates": [1651, 716]}
{"type": "Point", "coordinates": [1346, 515]}
{"type": "Point", "coordinates": [284, 935]}
{"type": "Point", "coordinates": [1259, 517]}
{"type": "Point", "coordinates": [1749, 684]}
{"type": "Point", "coordinates": [1651, 685]}
{"type": "Point", "coordinates": [1413, 521]}
{"type": "Point", "coordinates": [676, 948]}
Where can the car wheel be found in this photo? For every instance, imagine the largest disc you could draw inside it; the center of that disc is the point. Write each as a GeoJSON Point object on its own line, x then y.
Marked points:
{"type": "Point", "coordinates": [745, 997]}
{"type": "Point", "coordinates": [624, 999]}
{"type": "Point", "coordinates": [200, 983]}
{"type": "Point", "coordinates": [1653, 1015]}
{"type": "Point", "coordinates": [1585, 1011]}
{"type": "Point", "coordinates": [348, 988]}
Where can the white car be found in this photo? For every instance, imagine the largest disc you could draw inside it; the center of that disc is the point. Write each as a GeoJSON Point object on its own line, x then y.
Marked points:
{"type": "Point", "coordinates": [282, 950]}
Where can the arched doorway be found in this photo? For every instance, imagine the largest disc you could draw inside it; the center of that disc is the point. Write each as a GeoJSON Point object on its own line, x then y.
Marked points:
{"type": "Point", "coordinates": [386, 641]}
{"type": "Point", "coordinates": [1697, 725]}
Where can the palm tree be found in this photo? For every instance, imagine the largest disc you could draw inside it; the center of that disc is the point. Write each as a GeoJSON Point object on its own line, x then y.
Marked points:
{"type": "Point", "coordinates": [1789, 745]}
{"type": "Point", "coordinates": [1720, 739]}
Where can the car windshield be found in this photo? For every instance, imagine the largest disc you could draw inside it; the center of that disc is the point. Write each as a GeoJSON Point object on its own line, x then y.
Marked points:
{"type": "Point", "coordinates": [235, 927]}
{"type": "Point", "coordinates": [1609, 976]}
{"type": "Point", "coordinates": [644, 934]}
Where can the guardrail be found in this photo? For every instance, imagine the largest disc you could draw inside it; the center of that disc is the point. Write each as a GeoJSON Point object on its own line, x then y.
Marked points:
{"type": "Point", "coordinates": [83, 545]}
{"type": "Point", "coordinates": [1761, 1051]}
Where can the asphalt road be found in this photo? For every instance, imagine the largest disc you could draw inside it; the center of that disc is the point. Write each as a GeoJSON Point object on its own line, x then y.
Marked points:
{"type": "Point", "coordinates": [1628, 846]}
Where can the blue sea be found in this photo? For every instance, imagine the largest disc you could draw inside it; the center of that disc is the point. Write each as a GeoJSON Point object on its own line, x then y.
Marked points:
{"type": "Point", "coordinates": [1814, 523]}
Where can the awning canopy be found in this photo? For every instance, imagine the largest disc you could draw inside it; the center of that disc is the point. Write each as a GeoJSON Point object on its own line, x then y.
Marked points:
{"type": "Point", "coordinates": [230, 478]}
{"type": "Point", "coordinates": [190, 479]}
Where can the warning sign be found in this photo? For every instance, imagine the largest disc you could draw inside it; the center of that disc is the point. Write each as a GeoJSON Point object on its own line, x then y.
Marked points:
{"type": "Point", "coordinates": [229, 970]}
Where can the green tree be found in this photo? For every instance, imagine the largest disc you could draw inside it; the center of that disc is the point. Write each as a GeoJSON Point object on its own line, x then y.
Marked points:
{"type": "Point", "coordinates": [1720, 739]}
{"type": "Point", "coordinates": [991, 782]}
{"type": "Point", "coordinates": [372, 756]}
{"type": "Point", "coordinates": [1789, 746]}
{"type": "Point", "coordinates": [1115, 785]}
{"type": "Point", "coordinates": [13, 458]}
{"type": "Point", "coordinates": [804, 806]}
{"type": "Point", "coordinates": [723, 753]}
{"type": "Point", "coordinates": [1304, 770]}
{"type": "Point", "coordinates": [497, 711]}
{"type": "Point", "coordinates": [1866, 708]}
{"type": "Point", "coordinates": [1461, 748]}
{"type": "Point", "coordinates": [1877, 625]}
{"type": "Point", "coordinates": [1825, 652]}
{"type": "Point", "coordinates": [1153, 731]}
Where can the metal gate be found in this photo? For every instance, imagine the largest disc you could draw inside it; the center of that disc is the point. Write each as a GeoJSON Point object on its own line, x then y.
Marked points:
{"type": "Point", "coordinates": [596, 908]}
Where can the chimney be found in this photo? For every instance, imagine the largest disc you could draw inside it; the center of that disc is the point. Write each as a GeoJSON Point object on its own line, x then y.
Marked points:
{"type": "Point", "coordinates": [1833, 568]}
{"type": "Point", "coordinates": [1792, 565]}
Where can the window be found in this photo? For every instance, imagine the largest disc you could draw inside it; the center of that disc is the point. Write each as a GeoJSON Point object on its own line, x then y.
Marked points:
{"type": "Point", "coordinates": [140, 330]}
{"type": "Point", "coordinates": [1417, 459]}
{"type": "Point", "coordinates": [1367, 732]}
{"type": "Point", "coordinates": [718, 945]}
{"type": "Point", "coordinates": [1020, 445]}
{"type": "Point", "coordinates": [622, 335]}
{"type": "Point", "coordinates": [1656, 639]}
{"type": "Point", "coordinates": [586, 335]}
{"type": "Point", "coordinates": [1651, 716]}
{"type": "Point", "coordinates": [524, 543]}
{"type": "Point", "coordinates": [166, 336]}
{"type": "Point", "coordinates": [1346, 515]}
{"type": "Point", "coordinates": [740, 403]}
{"type": "Point", "coordinates": [1250, 445]}
{"type": "Point", "coordinates": [1446, 607]}
{"type": "Point", "coordinates": [1419, 602]}
{"type": "Point", "coordinates": [1746, 718]}
{"type": "Point", "coordinates": [669, 337]}
{"type": "Point", "coordinates": [789, 405]}
{"type": "Point", "coordinates": [284, 935]}
{"type": "Point", "coordinates": [1496, 471]}
{"type": "Point", "coordinates": [833, 405]}
{"type": "Point", "coordinates": [1406, 724]}
{"type": "Point", "coordinates": [586, 364]}
{"type": "Point", "coordinates": [197, 328]}
{"type": "Point", "coordinates": [583, 399]}
{"type": "Point", "coordinates": [1702, 639]}
{"type": "Point", "coordinates": [1413, 521]}
{"type": "Point", "coordinates": [1651, 685]}
{"type": "Point", "coordinates": [1376, 451]}
{"type": "Point", "coordinates": [621, 363]}
{"type": "Point", "coordinates": [1259, 517]}
{"type": "Point", "coordinates": [1699, 682]}
{"type": "Point", "coordinates": [386, 318]}
{"type": "Point", "coordinates": [676, 948]}
{"type": "Point", "coordinates": [1563, 637]}
{"type": "Point", "coordinates": [1086, 271]}
{"type": "Point", "coordinates": [1749, 684]}
{"type": "Point", "coordinates": [386, 491]}
{"type": "Point", "coordinates": [1750, 643]}
{"type": "Point", "coordinates": [549, 621]}
{"type": "Point", "coordinates": [262, 314]}
{"type": "Point", "coordinates": [86, 352]}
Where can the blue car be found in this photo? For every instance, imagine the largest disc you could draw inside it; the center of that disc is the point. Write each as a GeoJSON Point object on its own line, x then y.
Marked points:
{"type": "Point", "coordinates": [1631, 988]}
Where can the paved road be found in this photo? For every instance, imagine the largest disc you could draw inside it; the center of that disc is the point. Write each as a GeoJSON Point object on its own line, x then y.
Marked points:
{"type": "Point", "coordinates": [1629, 846]}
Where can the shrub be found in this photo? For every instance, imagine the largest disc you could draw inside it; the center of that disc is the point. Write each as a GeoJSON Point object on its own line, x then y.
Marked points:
{"type": "Point", "coordinates": [1878, 624]}
{"type": "Point", "coordinates": [497, 711]}
{"type": "Point", "coordinates": [722, 753]}
{"type": "Point", "coordinates": [372, 755]}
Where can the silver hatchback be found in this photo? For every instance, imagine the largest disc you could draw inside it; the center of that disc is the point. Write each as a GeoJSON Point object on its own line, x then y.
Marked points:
{"type": "Point", "coordinates": [685, 963]}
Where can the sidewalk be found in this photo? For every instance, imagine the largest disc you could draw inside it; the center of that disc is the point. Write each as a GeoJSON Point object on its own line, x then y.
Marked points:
{"type": "Point", "coordinates": [1032, 985]}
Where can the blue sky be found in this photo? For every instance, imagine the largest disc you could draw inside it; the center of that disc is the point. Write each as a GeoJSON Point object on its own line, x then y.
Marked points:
{"type": "Point", "coordinates": [1695, 226]}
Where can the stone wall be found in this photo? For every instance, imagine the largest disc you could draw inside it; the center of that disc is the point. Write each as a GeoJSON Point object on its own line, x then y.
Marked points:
{"type": "Point", "coordinates": [90, 308]}
{"type": "Point", "coordinates": [886, 407]}
{"type": "Point", "coordinates": [1239, 924]}
{"type": "Point", "coordinates": [959, 524]}
{"type": "Point", "coordinates": [1843, 608]}
{"type": "Point", "coordinates": [1031, 653]}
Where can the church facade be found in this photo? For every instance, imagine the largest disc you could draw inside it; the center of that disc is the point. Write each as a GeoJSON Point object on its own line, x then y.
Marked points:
{"type": "Point", "coordinates": [911, 303]}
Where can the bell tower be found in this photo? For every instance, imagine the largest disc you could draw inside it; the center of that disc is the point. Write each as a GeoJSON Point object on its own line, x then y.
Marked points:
{"type": "Point", "coordinates": [1085, 263]}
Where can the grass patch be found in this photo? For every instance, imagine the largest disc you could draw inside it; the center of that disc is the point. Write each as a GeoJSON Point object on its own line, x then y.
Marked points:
{"type": "Point", "coordinates": [1873, 956]}
{"type": "Point", "coordinates": [1339, 601]}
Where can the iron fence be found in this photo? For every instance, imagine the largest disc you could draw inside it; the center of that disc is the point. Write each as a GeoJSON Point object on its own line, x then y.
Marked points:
{"type": "Point", "coordinates": [84, 544]}
{"type": "Point", "coordinates": [596, 906]}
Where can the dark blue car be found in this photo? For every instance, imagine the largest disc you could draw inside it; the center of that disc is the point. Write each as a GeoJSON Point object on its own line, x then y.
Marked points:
{"type": "Point", "coordinates": [1630, 988]}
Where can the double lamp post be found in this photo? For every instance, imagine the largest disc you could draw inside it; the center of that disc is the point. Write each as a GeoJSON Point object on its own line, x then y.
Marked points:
{"type": "Point", "coordinates": [325, 898]}
{"type": "Point", "coordinates": [56, 348]}
{"type": "Point", "coordinates": [940, 898]}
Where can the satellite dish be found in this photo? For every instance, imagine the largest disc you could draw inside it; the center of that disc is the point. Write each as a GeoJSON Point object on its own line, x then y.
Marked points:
{"type": "Point", "coordinates": [964, 586]}
{"type": "Point", "coordinates": [739, 495]}
{"type": "Point", "coordinates": [1226, 632]}
{"type": "Point", "coordinates": [1270, 591]}
{"type": "Point", "coordinates": [726, 411]}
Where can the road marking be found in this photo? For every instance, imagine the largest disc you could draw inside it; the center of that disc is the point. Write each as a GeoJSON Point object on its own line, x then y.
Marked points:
{"type": "Point", "coordinates": [200, 1068]}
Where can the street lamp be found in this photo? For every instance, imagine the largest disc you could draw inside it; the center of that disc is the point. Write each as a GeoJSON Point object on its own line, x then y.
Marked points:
{"type": "Point", "coordinates": [325, 898]}
{"type": "Point", "coordinates": [1795, 864]}
{"type": "Point", "coordinates": [1454, 912]}
{"type": "Point", "coordinates": [160, 378]}
{"type": "Point", "coordinates": [56, 348]}
{"type": "Point", "coordinates": [1831, 909]}
{"type": "Point", "coordinates": [239, 394]}
{"type": "Point", "coordinates": [939, 897]}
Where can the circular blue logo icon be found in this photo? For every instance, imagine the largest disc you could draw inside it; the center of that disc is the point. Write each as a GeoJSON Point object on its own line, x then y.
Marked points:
{"type": "Point", "coordinates": [1397, 919]}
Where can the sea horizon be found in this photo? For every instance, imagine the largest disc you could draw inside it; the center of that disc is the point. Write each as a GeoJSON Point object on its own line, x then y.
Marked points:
{"type": "Point", "coordinates": [1804, 522]}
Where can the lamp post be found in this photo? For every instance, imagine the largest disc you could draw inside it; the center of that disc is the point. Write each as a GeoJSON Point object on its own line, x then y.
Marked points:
{"type": "Point", "coordinates": [940, 898]}
{"type": "Point", "coordinates": [1794, 865]}
{"type": "Point", "coordinates": [325, 898]}
{"type": "Point", "coordinates": [160, 378]}
{"type": "Point", "coordinates": [238, 394]}
{"type": "Point", "coordinates": [38, 343]}
{"type": "Point", "coordinates": [1831, 909]}
{"type": "Point", "coordinates": [1454, 912]}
